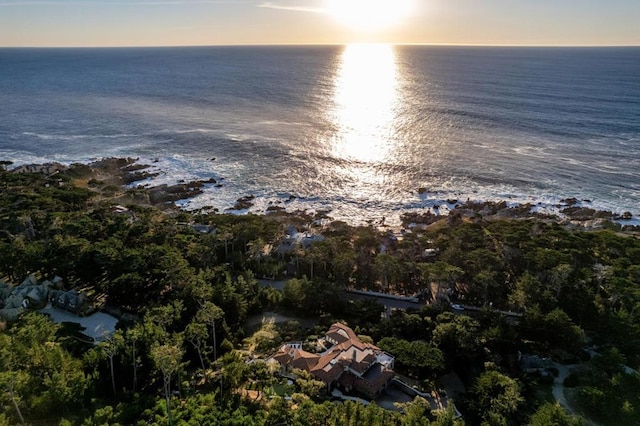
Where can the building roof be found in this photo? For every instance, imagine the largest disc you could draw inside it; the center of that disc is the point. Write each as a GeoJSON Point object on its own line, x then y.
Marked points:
{"type": "Point", "coordinates": [300, 239]}
{"type": "Point", "coordinates": [374, 379]}
{"type": "Point", "coordinates": [349, 361]}
{"type": "Point", "coordinates": [341, 333]}
{"type": "Point", "coordinates": [295, 357]}
{"type": "Point", "coordinates": [304, 360]}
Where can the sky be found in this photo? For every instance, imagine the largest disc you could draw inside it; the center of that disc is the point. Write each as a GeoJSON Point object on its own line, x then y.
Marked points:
{"type": "Point", "coordinates": [240, 22]}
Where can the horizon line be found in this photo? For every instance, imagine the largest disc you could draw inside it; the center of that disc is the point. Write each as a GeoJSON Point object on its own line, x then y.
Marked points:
{"type": "Point", "coordinates": [324, 44]}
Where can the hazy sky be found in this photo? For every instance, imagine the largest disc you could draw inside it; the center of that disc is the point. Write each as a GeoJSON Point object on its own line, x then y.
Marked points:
{"type": "Point", "coordinates": [210, 22]}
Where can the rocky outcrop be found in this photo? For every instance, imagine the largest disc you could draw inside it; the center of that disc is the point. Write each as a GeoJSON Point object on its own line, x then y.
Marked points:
{"type": "Point", "coordinates": [275, 209]}
{"type": "Point", "coordinates": [244, 203]}
{"type": "Point", "coordinates": [136, 176]}
{"type": "Point", "coordinates": [426, 218]}
{"type": "Point", "coordinates": [586, 213]}
{"type": "Point", "coordinates": [168, 194]}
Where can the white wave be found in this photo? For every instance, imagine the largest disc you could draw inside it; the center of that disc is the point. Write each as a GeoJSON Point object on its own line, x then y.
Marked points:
{"type": "Point", "coordinates": [281, 123]}
{"type": "Point", "coordinates": [78, 137]}
{"type": "Point", "coordinates": [186, 131]}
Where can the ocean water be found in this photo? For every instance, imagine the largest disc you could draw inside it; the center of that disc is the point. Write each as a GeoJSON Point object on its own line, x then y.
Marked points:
{"type": "Point", "coordinates": [356, 130]}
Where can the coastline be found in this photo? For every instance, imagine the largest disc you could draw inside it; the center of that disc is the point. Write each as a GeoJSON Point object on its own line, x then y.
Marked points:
{"type": "Point", "coordinates": [130, 181]}
{"type": "Point", "coordinates": [477, 125]}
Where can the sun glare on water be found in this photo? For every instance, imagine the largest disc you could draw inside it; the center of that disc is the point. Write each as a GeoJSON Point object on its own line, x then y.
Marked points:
{"type": "Point", "coordinates": [369, 15]}
{"type": "Point", "coordinates": [366, 97]}
{"type": "Point", "coordinates": [364, 114]}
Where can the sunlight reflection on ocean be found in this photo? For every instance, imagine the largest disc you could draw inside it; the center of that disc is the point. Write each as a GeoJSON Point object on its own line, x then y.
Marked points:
{"type": "Point", "coordinates": [365, 117]}
{"type": "Point", "coordinates": [357, 130]}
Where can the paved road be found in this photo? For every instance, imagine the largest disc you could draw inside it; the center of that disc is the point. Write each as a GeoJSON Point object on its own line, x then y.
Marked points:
{"type": "Point", "coordinates": [558, 386]}
{"type": "Point", "coordinates": [278, 285]}
{"type": "Point", "coordinates": [388, 303]}
{"type": "Point", "coordinates": [626, 368]}
{"type": "Point", "coordinates": [558, 391]}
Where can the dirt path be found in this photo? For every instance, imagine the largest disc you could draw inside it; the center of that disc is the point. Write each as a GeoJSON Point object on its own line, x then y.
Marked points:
{"type": "Point", "coordinates": [558, 387]}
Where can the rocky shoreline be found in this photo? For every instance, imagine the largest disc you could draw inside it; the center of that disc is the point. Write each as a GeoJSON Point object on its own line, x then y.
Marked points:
{"type": "Point", "coordinates": [570, 212]}
{"type": "Point", "coordinates": [115, 179]}
{"type": "Point", "coordinates": [125, 181]}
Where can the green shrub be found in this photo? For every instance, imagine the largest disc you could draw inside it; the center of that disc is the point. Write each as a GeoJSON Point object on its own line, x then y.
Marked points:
{"type": "Point", "coordinates": [546, 379]}
{"type": "Point", "coordinates": [572, 381]}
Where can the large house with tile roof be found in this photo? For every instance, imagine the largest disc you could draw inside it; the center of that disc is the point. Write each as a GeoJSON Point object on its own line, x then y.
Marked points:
{"type": "Point", "coordinates": [348, 363]}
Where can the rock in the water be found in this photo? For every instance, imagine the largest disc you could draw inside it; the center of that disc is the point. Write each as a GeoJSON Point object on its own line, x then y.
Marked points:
{"type": "Point", "coordinates": [273, 209]}
{"type": "Point", "coordinates": [570, 201]}
{"type": "Point", "coordinates": [244, 203]}
{"type": "Point", "coordinates": [585, 213]}
{"type": "Point", "coordinates": [164, 193]}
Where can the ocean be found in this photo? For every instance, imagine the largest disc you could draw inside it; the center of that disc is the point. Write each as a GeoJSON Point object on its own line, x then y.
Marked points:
{"type": "Point", "coordinates": [361, 131]}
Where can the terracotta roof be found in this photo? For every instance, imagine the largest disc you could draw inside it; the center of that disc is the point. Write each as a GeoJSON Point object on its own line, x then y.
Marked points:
{"type": "Point", "coordinates": [356, 342]}
{"type": "Point", "coordinates": [304, 360]}
{"type": "Point", "coordinates": [349, 354]}
{"type": "Point", "coordinates": [282, 357]}
{"type": "Point", "coordinates": [330, 372]}
{"type": "Point", "coordinates": [362, 361]}
{"type": "Point", "coordinates": [341, 333]}
{"type": "Point", "coordinates": [296, 358]}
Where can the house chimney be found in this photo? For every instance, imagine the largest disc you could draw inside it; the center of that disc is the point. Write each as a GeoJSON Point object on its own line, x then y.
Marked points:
{"type": "Point", "coordinates": [354, 355]}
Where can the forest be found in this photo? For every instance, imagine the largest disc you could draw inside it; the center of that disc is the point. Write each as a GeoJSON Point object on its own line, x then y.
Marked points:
{"type": "Point", "coordinates": [184, 353]}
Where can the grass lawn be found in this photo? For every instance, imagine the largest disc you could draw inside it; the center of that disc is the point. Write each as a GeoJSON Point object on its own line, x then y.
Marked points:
{"type": "Point", "coordinates": [281, 390]}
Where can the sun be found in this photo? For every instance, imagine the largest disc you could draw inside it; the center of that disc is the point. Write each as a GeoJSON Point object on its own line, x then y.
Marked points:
{"type": "Point", "coordinates": [369, 15]}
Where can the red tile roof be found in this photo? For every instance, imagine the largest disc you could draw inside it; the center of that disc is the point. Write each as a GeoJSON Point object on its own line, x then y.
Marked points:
{"type": "Point", "coordinates": [341, 333]}
{"type": "Point", "coordinates": [341, 361]}
{"type": "Point", "coordinates": [304, 360]}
